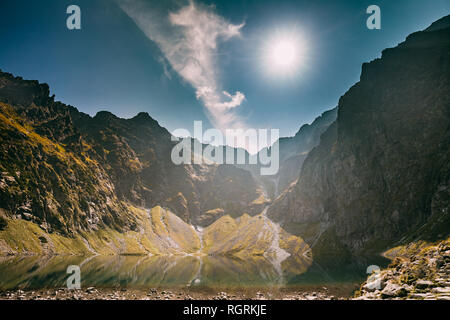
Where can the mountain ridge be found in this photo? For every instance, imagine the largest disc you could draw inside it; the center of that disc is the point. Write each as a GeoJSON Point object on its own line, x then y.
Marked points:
{"type": "Point", "coordinates": [380, 172]}
{"type": "Point", "coordinates": [369, 174]}
{"type": "Point", "coordinates": [133, 155]}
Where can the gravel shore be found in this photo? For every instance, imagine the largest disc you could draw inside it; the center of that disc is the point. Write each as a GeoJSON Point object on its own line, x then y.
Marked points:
{"type": "Point", "coordinates": [160, 294]}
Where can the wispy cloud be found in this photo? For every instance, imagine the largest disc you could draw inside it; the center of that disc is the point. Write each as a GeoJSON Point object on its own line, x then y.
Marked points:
{"type": "Point", "coordinates": [188, 36]}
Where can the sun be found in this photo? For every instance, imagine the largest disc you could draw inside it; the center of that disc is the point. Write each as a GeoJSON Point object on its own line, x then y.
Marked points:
{"type": "Point", "coordinates": [284, 53]}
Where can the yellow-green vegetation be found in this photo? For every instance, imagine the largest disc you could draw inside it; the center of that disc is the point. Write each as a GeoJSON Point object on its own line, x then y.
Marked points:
{"type": "Point", "coordinates": [416, 247]}
{"type": "Point", "coordinates": [170, 234]}
{"type": "Point", "coordinates": [161, 232]}
{"type": "Point", "coordinates": [260, 200]}
{"type": "Point", "coordinates": [249, 236]}
{"type": "Point", "coordinates": [135, 164]}
{"type": "Point", "coordinates": [419, 270]}
{"type": "Point", "coordinates": [60, 190]}
{"type": "Point", "coordinates": [22, 236]}
{"type": "Point", "coordinates": [218, 231]}
{"type": "Point", "coordinates": [9, 120]}
{"type": "Point", "coordinates": [292, 243]}
{"type": "Point", "coordinates": [213, 213]}
{"type": "Point", "coordinates": [419, 252]}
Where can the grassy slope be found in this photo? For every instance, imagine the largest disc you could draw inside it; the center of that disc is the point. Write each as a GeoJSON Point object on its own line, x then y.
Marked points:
{"type": "Point", "coordinates": [158, 231]}
{"type": "Point", "coordinates": [248, 236]}
{"type": "Point", "coordinates": [161, 232]}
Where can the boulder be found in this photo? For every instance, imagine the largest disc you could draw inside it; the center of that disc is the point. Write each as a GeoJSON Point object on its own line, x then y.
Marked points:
{"type": "Point", "coordinates": [393, 290]}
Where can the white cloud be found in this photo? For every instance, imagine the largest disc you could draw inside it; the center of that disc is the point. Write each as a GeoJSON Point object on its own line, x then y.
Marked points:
{"type": "Point", "coordinates": [189, 37]}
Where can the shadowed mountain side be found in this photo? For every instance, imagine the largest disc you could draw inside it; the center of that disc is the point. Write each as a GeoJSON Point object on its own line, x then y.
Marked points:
{"type": "Point", "coordinates": [294, 150]}
{"type": "Point", "coordinates": [67, 171]}
{"type": "Point", "coordinates": [292, 153]}
{"type": "Point", "coordinates": [381, 172]}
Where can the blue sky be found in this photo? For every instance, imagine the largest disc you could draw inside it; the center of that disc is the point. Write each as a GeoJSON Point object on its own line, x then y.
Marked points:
{"type": "Point", "coordinates": [114, 63]}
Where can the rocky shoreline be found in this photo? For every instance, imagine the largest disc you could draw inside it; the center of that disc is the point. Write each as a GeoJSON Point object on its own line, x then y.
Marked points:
{"type": "Point", "coordinates": [159, 294]}
{"type": "Point", "coordinates": [418, 271]}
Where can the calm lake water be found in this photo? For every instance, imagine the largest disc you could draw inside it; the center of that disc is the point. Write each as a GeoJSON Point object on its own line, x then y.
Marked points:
{"type": "Point", "coordinates": [171, 271]}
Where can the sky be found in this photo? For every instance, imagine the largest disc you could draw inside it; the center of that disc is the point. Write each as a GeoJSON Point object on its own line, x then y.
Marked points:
{"type": "Point", "coordinates": [214, 61]}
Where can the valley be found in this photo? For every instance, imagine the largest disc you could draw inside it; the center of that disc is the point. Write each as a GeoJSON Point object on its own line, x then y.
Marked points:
{"type": "Point", "coordinates": [366, 183]}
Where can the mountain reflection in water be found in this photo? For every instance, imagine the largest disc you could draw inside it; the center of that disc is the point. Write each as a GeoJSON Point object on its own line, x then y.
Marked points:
{"type": "Point", "coordinates": [33, 272]}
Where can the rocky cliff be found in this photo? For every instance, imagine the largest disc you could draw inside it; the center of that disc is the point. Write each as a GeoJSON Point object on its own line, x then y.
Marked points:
{"type": "Point", "coordinates": [381, 171]}
{"type": "Point", "coordinates": [292, 153]}
{"type": "Point", "coordinates": [66, 171]}
{"type": "Point", "coordinates": [294, 150]}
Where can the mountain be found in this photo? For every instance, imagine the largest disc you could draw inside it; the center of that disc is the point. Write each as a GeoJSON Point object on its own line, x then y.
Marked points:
{"type": "Point", "coordinates": [294, 150]}
{"type": "Point", "coordinates": [80, 185]}
{"type": "Point", "coordinates": [159, 232]}
{"type": "Point", "coordinates": [368, 175]}
{"type": "Point", "coordinates": [67, 171]}
{"type": "Point", "coordinates": [380, 174]}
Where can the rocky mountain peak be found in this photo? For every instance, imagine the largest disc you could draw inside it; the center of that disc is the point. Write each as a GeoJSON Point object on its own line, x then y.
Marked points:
{"type": "Point", "coordinates": [105, 116]}
{"type": "Point", "coordinates": [20, 92]}
{"type": "Point", "coordinates": [380, 173]}
{"type": "Point", "coordinates": [144, 118]}
{"type": "Point", "coordinates": [442, 23]}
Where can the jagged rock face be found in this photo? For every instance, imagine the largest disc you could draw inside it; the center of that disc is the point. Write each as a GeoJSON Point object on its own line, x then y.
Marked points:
{"type": "Point", "coordinates": [381, 171]}
{"type": "Point", "coordinates": [137, 153]}
{"type": "Point", "coordinates": [293, 151]}
{"type": "Point", "coordinates": [41, 181]}
{"type": "Point", "coordinates": [67, 171]}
